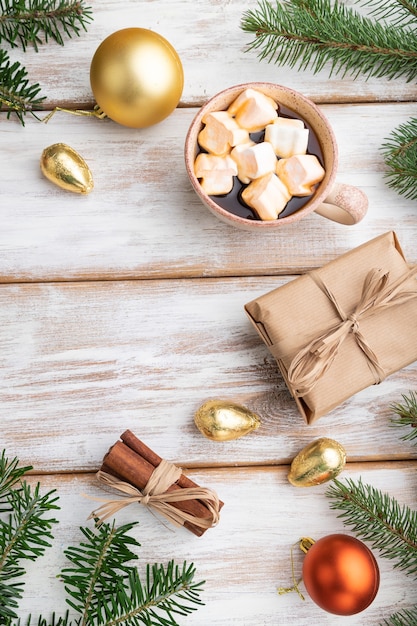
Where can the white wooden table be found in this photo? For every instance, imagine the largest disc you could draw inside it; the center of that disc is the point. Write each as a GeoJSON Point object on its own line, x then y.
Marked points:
{"type": "Point", "coordinates": [124, 310]}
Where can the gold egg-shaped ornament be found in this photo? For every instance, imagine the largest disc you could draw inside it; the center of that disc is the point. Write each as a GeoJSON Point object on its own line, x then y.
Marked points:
{"type": "Point", "coordinates": [223, 420]}
{"type": "Point", "coordinates": [136, 77]}
{"type": "Point", "coordinates": [64, 167]}
{"type": "Point", "coordinates": [320, 461]}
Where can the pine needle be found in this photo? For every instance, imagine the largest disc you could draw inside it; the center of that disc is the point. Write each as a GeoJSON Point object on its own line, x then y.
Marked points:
{"type": "Point", "coordinates": [319, 33]}
{"type": "Point", "coordinates": [379, 519]}
{"type": "Point", "coordinates": [400, 155]}
{"type": "Point", "coordinates": [17, 95]}
{"type": "Point", "coordinates": [406, 412]}
{"type": "Point", "coordinates": [24, 22]}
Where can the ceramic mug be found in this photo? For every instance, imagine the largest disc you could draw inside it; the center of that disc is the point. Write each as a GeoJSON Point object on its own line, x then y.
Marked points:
{"type": "Point", "coordinates": [336, 201]}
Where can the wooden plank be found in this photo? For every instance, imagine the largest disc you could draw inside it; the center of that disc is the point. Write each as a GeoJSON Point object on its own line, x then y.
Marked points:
{"type": "Point", "coordinates": [144, 220]}
{"type": "Point", "coordinates": [246, 557]}
{"type": "Point", "coordinates": [211, 45]}
{"type": "Point", "coordinates": [82, 362]}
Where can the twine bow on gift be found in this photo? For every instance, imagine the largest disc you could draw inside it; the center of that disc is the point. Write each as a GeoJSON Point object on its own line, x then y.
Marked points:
{"type": "Point", "coordinates": [155, 495]}
{"type": "Point", "coordinates": [313, 361]}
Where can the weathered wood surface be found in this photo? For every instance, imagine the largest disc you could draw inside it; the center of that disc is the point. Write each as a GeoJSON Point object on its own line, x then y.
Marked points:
{"type": "Point", "coordinates": [144, 220]}
{"type": "Point", "coordinates": [246, 557]}
{"type": "Point", "coordinates": [81, 362]}
{"type": "Point", "coordinates": [124, 309]}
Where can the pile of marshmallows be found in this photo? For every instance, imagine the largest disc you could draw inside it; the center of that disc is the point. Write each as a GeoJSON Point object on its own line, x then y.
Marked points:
{"type": "Point", "coordinates": [274, 170]}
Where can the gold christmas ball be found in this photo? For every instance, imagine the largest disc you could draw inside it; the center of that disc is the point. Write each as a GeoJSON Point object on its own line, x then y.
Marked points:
{"type": "Point", "coordinates": [320, 461]}
{"type": "Point", "coordinates": [64, 167]}
{"type": "Point", "coordinates": [136, 77]}
{"type": "Point", "coordinates": [223, 420]}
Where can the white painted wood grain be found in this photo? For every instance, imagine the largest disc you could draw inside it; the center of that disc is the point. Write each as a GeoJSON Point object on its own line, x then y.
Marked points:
{"type": "Point", "coordinates": [211, 45]}
{"type": "Point", "coordinates": [144, 220]}
{"type": "Point", "coordinates": [124, 309]}
{"type": "Point", "coordinates": [246, 557]}
{"type": "Point", "coordinates": [82, 362]}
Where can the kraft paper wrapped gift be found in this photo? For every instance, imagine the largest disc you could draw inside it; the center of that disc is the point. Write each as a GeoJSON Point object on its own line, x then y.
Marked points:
{"type": "Point", "coordinates": [341, 328]}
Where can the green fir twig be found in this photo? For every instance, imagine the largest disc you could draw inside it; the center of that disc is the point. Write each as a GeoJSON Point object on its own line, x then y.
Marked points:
{"type": "Point", "coordinates": [25, 532]}
{"type": "Point", "coordinates": [17, 95]}
{"type": "Point", "coordinates": [33, 22]}
{"type": "Point", "coordinates": [326, 34]}
{"type": "Point", "coordinates": [314, 33]}
{"type": "Point", "coordinates": [399, 12]}
{"type": "Point", "coordinates": [104, 589]}
{"type": "Point", "coordinates": [402, 618]}
{"type": "Point", "coordinates": [378, 518]}
{"type": "Point", "coordinates": [400, 155]}
{"type": "Point", "coordinates": [36, 21]}
{"type": "Point", "coordinates": [406, 412]}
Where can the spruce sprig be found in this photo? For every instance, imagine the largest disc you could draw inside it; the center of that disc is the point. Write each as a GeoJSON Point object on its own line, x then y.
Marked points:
{"type": "Point", "coordinates": [33, 22]}
{"type": "Point", "coordinates": [36, 21]}
{"type": "Point", "coordinates": [378, 518]}
{"type": "Point", "coordinates": [324, 33]}
{"type": "Point", "coordinates": [314, 33]}
{"type": "Point", "coordinates": [25, 531]}
{"type": "Point", "coordinates": [406, 617]}
{"type": "Point", "coordinates": [398, 12]}
{"type": "Point", "coordinates": [406, 412]}
{"type": "Point", "coordinates": [17, 95]}
{"type": "Point", "coordinates": [400, 154]}
{"type": "Point", "coordinates": [106, 591]}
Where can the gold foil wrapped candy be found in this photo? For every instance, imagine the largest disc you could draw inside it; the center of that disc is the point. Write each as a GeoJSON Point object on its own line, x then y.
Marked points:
{"type": "Point", "coordinates": [64, 167]}
{"type": "Point", "coordinates": [223, 420]}
{"type": "Point", "coordinates": [320, 461]}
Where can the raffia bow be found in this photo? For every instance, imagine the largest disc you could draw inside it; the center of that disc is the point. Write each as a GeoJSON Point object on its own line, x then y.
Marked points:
{"type": "Point", "coordinates": [155, 496]}
{"type": "Point", "coordinates": [313, 361]}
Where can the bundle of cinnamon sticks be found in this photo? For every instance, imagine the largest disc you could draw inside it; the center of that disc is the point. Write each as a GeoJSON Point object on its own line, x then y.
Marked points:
{"type": "Point", "coordinates": [131, 461]}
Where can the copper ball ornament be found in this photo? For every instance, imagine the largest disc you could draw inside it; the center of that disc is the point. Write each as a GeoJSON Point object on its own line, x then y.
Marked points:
{"type": "Point", "coordinates": [136, 77]}
{"type": "Point", "coordinates": [341, 574]}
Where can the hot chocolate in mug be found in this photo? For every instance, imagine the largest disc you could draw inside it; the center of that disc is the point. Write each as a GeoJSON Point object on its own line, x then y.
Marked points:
{"type": "Point", "coordinates": [332, 199]}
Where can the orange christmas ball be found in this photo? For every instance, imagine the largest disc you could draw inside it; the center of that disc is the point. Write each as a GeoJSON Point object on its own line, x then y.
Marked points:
{"type": "Point", "coordinates": [341, 574]}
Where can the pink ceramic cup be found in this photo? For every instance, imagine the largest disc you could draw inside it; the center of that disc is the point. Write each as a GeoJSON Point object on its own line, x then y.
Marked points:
{"type": "Point", "coordinates": [336, 201]}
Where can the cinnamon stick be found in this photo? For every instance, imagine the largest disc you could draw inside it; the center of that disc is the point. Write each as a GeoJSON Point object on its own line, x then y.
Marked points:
{"type": "Point", "coordinates": [128, 465]}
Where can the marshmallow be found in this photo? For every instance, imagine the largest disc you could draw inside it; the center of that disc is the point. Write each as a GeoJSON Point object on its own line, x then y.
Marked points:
{"type": "Point", "coordinates": [215, 173]}
{"type": "Point", "coordinates": [254, 160]}
{"type": "Point", "coordinates": [287, 137]}
{"type": "Point", "coordinates": [253, 110]}
{"type": "Point", "coordinates": [300, 173]}
{"type": "Point", "coordinates": [267, 196]}
{"type": "Point", "coordinates": [220, 133]}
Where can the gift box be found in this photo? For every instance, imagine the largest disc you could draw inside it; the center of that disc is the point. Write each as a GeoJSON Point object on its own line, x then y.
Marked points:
{"type": "Point", "coordinates": [343, 327]}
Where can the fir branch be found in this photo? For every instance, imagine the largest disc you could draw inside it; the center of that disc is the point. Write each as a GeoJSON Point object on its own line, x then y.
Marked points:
{"type": "Point", "coordinates": [398, 12]}
{"type": "Point", "coordinates": [169, 591]}
{"type": "Point", "coordinates": [24, 22]}
{"type": "Point", "coordinates": [378, 518]}
{"type": "Point", "coordinates": [407, 415]}
{"type": "Point", "coordinates": [16, 94]}
{"type": "Point", "coordinates": [25, 532]}
{"type": "Point", "coordinates": [10, 474]}
{"type": "Point", "coordinates": [402, 618]}
{"type": "Point", "coordinates": [400, 155]}
{"type": "Point", "coordinates": [99, 569]}
{"type": "Point", "coordinates": [105, 590]}
{"type": "Point", "coordinates": [313, 33]}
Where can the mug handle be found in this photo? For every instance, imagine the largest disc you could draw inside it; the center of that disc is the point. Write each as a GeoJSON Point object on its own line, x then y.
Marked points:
{"type": "Point", "coordinates": [345, 204]}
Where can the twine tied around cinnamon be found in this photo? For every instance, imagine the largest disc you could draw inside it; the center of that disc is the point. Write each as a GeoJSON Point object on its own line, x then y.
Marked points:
{"type": "Point", "coordinates": [155, 496]}
{"type": "Point", "coordinates": [313, 361]}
